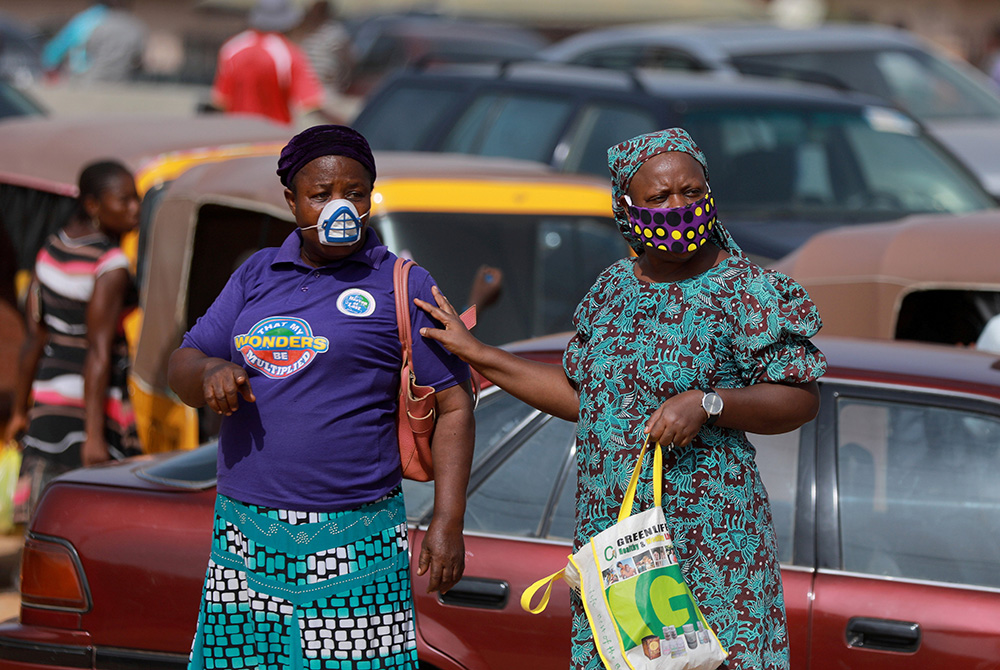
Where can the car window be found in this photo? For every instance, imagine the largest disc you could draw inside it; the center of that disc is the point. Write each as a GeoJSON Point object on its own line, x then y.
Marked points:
{"type": "Point", "coordinates": [623, 57]}
{"type": "Point", "coordinates": [515, 497]}
{"type": "Point", "coordinates": [778, 461]}
{"type": "Point", "coordinates": [917, 490]}
{"type": "Point", "coordinates": [548, 262]}
{"type": "Point", "coordinates": [597, 127]}
{"type": "Point", "coordinates": [15, 103]}
{"type": "Point", "coordinates": [921, 83]}
{"type": "Point", "coordinates": [30, 216]}
{"type": "Point", "coordinates": [224, 239]}
{"type": "Point", "coordinates": [522, 125]}
{"type": "Point", "coordinates": [563, 520]}
{"type": "Point", "coordinates": [827, 166]}
{"type": "Point", "coordinates": [404, 115]}
{"type": "Point", "coordinates": [499, 417]}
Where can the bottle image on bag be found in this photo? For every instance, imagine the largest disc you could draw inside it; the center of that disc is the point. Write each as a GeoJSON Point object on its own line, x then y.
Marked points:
{"type": "Point", "coordinates": [676, 642]}
{"type": "Point", "coordinates": [703, 634]}
{"type": "Point", "coordinates": [651, 646]}
{"type": "Point", "coordinates": [690, 636]}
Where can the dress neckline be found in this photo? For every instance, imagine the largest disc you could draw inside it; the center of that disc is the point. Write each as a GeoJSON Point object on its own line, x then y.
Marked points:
{"type": "Point", "coordinates": [630, 270]}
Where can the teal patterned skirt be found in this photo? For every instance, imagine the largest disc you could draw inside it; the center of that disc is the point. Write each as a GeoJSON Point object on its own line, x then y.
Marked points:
{"type": "Point", "coordinates": [307, 590]}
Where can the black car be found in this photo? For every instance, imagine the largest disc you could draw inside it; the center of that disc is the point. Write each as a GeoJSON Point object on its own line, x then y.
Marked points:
{"type": "Point", "coordinates": [786, 159]}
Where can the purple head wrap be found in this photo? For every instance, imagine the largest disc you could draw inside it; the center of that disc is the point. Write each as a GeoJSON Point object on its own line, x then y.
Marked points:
{"type": "Point", "coordinates": [625, 159]}
{"type": "Point", "coordinates": [325, 140]}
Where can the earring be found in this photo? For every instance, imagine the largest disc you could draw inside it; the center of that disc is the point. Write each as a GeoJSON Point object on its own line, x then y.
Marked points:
{"type": "Point", "coordinates": [95, 223]}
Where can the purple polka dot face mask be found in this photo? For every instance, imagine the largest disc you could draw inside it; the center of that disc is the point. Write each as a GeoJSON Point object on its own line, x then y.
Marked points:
{"type": "Point", "coordinates": [677, 229]}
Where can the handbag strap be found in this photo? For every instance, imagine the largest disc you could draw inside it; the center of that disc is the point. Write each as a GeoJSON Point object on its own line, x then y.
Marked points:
{"type": "Point", "coordinates": [401, 289]}
{"type": "Point", "coordinates": [626, 510]}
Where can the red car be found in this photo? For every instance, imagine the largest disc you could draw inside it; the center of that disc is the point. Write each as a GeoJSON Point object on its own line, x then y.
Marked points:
{"type": "Point", "coordinates": [887, 510]}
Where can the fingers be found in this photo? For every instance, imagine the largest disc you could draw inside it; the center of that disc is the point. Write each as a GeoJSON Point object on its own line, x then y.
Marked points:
{"type": "Point", "coordinates": [245, 390]}
{"type": "Point", "coordinates": [443, 563]}
{"type": "Point", "coordinates": [224, 387]}
{"type": "Point", "coordinates": [676, 422]}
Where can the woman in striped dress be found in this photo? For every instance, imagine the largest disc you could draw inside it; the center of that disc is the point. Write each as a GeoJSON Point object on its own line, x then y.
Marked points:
{"type": "Point", "coordinates": [74, 362]}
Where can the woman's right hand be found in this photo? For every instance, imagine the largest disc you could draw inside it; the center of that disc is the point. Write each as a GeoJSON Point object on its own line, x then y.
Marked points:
{"type": "Point", "coordinates": [454, 337]}
{"type": "Point", "coordinates": [223, 383]}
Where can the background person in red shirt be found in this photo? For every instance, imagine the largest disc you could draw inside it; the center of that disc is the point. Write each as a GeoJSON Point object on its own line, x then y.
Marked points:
{"type": "Point", "coordinates": [260, 71]}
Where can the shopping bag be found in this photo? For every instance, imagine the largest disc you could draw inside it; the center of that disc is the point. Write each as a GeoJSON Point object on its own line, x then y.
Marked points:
{"type": "Point", "coordinates": [10, 467]}
{"type": "Point", "coordinates": [640, 610]}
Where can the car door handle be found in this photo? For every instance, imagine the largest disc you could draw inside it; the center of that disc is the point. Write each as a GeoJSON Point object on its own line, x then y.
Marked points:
{"type": "Point", "coordinates": [883, 634]}
{"type": "Point", "coordinates": [477, 592]}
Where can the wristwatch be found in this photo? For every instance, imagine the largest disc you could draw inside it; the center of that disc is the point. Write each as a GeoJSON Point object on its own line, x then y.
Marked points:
{"type": "Point", "coordinates": [711, 402]}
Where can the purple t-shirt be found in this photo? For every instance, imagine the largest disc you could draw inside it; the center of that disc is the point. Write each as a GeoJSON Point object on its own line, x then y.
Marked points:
{"type": "Point", "coordinates": [323, 356]}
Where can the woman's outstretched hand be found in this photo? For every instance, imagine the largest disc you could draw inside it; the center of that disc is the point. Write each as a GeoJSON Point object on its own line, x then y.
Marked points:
{"type": "Point", "coordinates": [453, 336]}
{"type": "Point", "coordinates": [678, 420]}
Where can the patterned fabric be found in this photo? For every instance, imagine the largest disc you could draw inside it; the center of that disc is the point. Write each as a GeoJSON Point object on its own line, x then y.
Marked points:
{"type": "Point", "coordinates": [636, 345]}
{"type": "Point", "coordinates": [307, 590]}
{"type": "Point", "coordinates": [626, 158]}
{"type": "Point", "coordinates": [66, 270]}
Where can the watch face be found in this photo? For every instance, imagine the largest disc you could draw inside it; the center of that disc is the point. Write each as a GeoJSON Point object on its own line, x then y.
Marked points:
{"type": "Point", "coordinates": [712, 403]}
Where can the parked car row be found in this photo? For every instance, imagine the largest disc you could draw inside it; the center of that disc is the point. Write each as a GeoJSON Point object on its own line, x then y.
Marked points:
{"type": "Point", "coordinates": [887, 515]}
{"type": "Point", "coordinates": [959, 104]}
{"type": "Point", "coordinates": [786, 161]}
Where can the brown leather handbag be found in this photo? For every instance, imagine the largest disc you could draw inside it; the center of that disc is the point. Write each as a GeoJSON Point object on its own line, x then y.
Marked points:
{"type": "Point", "coordinates": [417, 412]}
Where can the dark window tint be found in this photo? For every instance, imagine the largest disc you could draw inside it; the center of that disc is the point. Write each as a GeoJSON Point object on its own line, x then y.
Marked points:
{"type": "Point", "coordinates": [515, 497]}
{"type": "Point", "coordinates": [918, 493]}
{"type": "Point", "coordinates": [778, 460]}
{"type": "Point", "coordinates": [224, 239]}
{"type": "Point", "coordinates": [524, 126]}
{"type": "Point", "coordinates": [599, 127]}
{"type": "Point", "coordinates": [403, 117]}
{"type": "Point", "coordinates": [549, 262]}
{"type": "Point", "coordinates": [946, 317]}
{"type": "Point", "coordinates": [30, 216]}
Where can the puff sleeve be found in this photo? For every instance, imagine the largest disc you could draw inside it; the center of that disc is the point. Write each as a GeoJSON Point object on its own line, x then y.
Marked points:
{"type": "Point", "coordinates": [774, 320]}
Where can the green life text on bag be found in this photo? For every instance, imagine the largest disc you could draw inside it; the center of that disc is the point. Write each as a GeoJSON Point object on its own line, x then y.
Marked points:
{"type": "Point", "coordinates": [641, 612]}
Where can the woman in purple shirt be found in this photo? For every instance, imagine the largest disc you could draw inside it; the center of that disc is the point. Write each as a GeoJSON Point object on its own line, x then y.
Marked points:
{"type": "Point", "coordinates": [300, 354]}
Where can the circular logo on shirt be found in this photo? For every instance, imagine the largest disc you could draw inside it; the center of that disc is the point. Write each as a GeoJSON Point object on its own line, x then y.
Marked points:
{"type": "Point", "coordinates": [356, 302]}
{"type": "Point", "coordinates": [280, 346]}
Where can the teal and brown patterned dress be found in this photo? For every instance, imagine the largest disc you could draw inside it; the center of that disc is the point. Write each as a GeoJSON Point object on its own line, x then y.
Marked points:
{"type": "Point", "coordinates": [638, 344]}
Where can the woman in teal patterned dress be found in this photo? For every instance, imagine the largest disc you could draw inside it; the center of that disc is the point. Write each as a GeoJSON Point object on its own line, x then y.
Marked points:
{"type": "Point", "coordinates": [691, 344]}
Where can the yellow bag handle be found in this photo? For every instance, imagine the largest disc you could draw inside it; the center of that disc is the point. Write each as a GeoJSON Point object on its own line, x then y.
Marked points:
{"type": "Point", "coordinates": [531, 590]}
{"type": "Point", "coordinates": [626, 510]}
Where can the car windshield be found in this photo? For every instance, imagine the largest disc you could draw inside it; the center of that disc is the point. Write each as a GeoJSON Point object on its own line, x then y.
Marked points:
{"type": "Point", "coordinates": [829, 166]}
{"type": "Point", "coordinates": [548, 262]}
{"type": "Point", "coordinates": [928, 87]}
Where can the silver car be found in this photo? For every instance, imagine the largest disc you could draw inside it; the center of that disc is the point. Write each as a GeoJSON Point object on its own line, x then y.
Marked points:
{"type": "Point", "coordinates": [957, 103]}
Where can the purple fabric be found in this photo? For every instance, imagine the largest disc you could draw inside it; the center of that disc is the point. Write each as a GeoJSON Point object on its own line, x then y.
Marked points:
{"type": "Point", "coordinates": [324, 140]}
{"type": "Point", "coordinates": [322, 434]}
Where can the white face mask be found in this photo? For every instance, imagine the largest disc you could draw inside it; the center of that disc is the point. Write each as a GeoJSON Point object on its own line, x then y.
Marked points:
{"type": "Point", "coordinates": [339, 224]}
